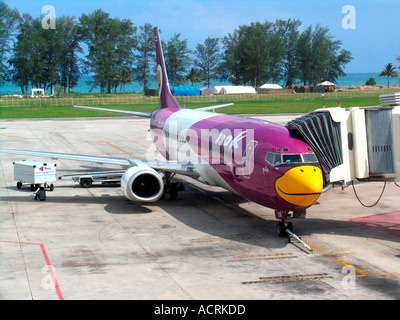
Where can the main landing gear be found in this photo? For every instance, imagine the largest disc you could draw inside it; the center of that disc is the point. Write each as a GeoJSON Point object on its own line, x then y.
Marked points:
{"type": "Point", "coordinates": [172, 188]}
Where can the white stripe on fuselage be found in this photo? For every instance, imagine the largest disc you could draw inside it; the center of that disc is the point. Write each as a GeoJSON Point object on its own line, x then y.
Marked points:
{"type": "Point", "coordinates": [186, 118]}
{"type": "Point", "coordinates": [176, 128]}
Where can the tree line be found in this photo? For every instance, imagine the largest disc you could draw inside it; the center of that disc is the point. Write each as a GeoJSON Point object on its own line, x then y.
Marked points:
{"type": "Point", "coordinates": [117, 52]}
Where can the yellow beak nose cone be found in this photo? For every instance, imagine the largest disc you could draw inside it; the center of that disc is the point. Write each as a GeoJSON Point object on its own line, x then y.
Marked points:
{"type": "Point", "coordinates": [300, 186]}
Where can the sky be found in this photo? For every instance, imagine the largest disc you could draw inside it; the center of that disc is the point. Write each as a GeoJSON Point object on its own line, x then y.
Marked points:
{"type": "Point", "coordinates": [369, 29]}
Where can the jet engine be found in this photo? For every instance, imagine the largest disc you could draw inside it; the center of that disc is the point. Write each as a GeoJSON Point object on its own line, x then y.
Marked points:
{"type": "Point", "coordinates": [142, 184]}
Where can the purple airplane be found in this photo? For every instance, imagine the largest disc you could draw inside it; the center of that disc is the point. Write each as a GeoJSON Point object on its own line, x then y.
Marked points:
{"type": "Point", "coordinates": [257, 160]}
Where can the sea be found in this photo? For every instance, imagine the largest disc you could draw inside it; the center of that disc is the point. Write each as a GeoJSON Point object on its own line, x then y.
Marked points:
{"type": "Point", "coordinates": [351, 79]}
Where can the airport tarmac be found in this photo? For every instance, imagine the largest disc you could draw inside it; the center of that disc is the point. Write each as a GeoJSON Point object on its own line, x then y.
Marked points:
{"type": "Point", "coordinates": [209, 244]}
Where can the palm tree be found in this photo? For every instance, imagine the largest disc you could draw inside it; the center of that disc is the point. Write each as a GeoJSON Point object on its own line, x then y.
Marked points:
{"type": "Point", "coordinates": [398, 60]}
{"type": "Point", "coordinates": [389, 71]}
{"type": "Point", "coordinates": [122, 78]}
{"type": "Point", "coordinates": [194, 76]}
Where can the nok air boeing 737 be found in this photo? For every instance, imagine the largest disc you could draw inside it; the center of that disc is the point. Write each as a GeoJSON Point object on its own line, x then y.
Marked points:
{"type": "Point", "coordinates": [257, 160]}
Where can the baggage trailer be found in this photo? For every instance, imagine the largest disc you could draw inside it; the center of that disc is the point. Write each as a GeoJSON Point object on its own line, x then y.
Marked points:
{"type": "Point", "coordinates": [87, 179]}
{"type": "Point", "coordinates": [35, 173]}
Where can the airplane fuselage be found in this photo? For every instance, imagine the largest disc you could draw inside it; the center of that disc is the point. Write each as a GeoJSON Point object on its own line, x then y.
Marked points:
{"type": "Point", "coordinates": [259, 160]}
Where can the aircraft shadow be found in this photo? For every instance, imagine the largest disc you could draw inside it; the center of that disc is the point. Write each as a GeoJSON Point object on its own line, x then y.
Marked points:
{"type": "Point", "coordinates": [220, 215]}
{"type": "Point", "coordinates": [113, 204]}
{"type": "Point", "coordinates": [228, 218]}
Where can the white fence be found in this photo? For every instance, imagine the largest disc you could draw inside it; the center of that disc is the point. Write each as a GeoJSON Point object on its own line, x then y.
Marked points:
{"type": "Point", "coordinates": [7, 101]}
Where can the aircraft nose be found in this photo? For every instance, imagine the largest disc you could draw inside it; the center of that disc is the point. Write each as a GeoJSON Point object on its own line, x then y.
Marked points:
{"type": "Point", "coordinates": [300, 186]}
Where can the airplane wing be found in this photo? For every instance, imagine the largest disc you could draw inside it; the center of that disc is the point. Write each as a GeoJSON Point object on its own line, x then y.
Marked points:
{"type": "Point", "coordinates": [187, 169]}
{"type": "Point", "coordinates": [168, 166]}
{"type": "Point", "coordinates": [214, 107]}
{"type": "Point", "coordinates": [145, 114]}
{"type": "Point", "coordinates": [131, 113]}
{"type": "Point", "coordinates": [53, 155]}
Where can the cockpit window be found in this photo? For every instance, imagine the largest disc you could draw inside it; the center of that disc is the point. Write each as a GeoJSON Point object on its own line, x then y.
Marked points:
{"type": "Point", "coordinates": [291, 158]}
{"type": "Point", "coordinates": [270, 157]}
{"type": "Point", "coordinates": [309, 157]}
{"type": "Point", "coordinates": [277, 159]}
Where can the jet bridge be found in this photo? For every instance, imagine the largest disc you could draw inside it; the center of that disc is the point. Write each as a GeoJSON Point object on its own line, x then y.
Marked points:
{"type": "Point", "coordinates": [355, 143]}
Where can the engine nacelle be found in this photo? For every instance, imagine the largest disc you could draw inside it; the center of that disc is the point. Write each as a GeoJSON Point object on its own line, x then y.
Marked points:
{"type": "Point", "coordinates": [142, 184]}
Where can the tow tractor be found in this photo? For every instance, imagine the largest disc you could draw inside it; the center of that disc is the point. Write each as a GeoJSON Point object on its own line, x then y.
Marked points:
{"type": "Point", "coordinates": [87, 179]}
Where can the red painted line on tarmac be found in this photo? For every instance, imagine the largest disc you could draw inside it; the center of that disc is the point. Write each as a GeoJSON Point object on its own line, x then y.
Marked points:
{"type": "Point", "coordinates": [385, 223]}
{"type": "Point", "coordinates": [53, 276]}
{"type": "Point", "coordinates": [49, 266]}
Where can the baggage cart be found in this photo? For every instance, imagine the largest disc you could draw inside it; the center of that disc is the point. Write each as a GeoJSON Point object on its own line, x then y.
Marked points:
{"type": "Point", "coordinates": [35, 173]}
{"type": "Point", "coordinates": [86, 180]}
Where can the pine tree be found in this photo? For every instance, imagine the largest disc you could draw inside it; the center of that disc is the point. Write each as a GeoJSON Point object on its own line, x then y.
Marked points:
{"type": "Point", "coordinates": [9, 20]}
{"type": "Point", "coordinates": [145, 54]}
{"type": "Point", "coordinates": [110, 43]}
{"type": "Point", "coordinates": [207, 59]}
{"type": "Point", "coordinates": [177, 59]}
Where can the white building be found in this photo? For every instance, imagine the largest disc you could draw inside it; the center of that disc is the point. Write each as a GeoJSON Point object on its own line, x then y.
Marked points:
{"type": "Point", "coordinates": [271, 86]}
{"type": "Point", "coordinates": [237, 90]}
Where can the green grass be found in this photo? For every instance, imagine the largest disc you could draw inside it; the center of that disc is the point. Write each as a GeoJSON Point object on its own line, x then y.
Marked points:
{"type": "Point", "coordinates": [66, 111]}
{"type": "Point", "coordinates": [296, 106]}
{"type": "Point", "coordinates": [239, 107]}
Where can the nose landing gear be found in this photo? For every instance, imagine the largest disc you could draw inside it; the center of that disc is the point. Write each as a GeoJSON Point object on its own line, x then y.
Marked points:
{"type": "Point", "coordinates": [285, 227]}
{"type": "Point", "coordinates": [282, 228]}
{"type": "Point", "coordinates": [284, 223]}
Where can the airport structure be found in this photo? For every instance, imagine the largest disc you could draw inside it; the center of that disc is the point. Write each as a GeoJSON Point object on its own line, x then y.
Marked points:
{"type": "Point", "coordinates": [356, 143]}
